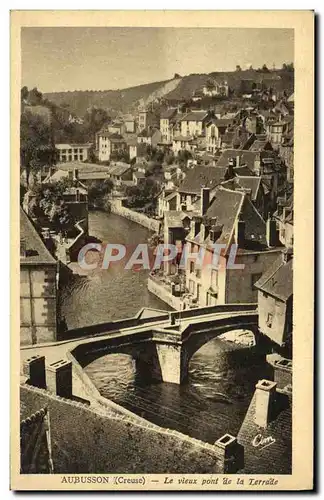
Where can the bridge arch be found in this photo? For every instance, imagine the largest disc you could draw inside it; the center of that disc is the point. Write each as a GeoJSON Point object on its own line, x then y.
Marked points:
{"type": "Point", "coordinates": [194, 338]}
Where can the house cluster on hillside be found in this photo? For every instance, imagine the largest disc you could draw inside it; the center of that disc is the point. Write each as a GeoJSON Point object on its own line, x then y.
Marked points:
{"type": "Point", "coordinates": [236, 189]}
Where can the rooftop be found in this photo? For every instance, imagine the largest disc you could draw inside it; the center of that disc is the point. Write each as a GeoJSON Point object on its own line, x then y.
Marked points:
{"type": "Point", "coordinates": [36, 251]}
{"type": "Point", "coordinates": [168, 113]}
{"type": "Point", "coordinates": [277, 281]}
{"type": "Point", "coordinates": [196, 116]}
{"type": "Point", "coordinates": [276, 457]}
{"type": "Point", "coordinates": [251, 183]}
{"type": "Point", "coordinates": [201, 176]}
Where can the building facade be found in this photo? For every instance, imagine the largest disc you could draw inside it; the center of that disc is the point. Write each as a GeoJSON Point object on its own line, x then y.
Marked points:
{"type": "Point", "coordinates": [38, 287]}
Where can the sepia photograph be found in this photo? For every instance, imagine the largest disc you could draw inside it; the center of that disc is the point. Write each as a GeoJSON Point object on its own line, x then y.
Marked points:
{"type": "Point", "coordinates": [156, 335]}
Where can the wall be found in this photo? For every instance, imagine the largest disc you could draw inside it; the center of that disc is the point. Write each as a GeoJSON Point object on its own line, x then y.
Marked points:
{"type": "Point", "coordinates": [239, 281]}
{"type": "Point", "coordinates": [143, 220]}
{"type": "Point", "coordinates": [115, 443]}
{"type": "Point", "coordinates": [37, 304]}
{"type": "Point", "coordinates": [163, 293]}
{"type": "Point", "coordinates": [269, 305]}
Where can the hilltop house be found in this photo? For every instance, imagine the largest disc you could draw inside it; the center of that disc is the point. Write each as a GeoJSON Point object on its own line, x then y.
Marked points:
{"type": "Point", "coordinates": [73, 152]}
{"type": "Point", "coordinates": [38, 286]}
{"type": "Point", "coordinates": [213, 88]}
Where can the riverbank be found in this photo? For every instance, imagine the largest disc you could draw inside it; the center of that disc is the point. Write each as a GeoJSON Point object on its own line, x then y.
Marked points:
{"type": "Point", "coordinates": [141, 219]}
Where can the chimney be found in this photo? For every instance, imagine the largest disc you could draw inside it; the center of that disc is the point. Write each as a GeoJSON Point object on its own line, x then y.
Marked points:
{"type": "Point", "coordinates": [194, 227]}
{"type": "Point", "coordinates": [203, 231]}
{"type": "Point", "coordinates": [230, 169]}
{"type": "Point", "coordinates": [205, 194]}
{"type": "Point", "coordinates": [271, 232]}
{"type": "Point", "coordinates": [75, 174]}
{"type": "Point", "coordinates": [34, 370]}
{"type": "Point", "coordinates": [240, 232]}
{"type": "Point", "coordinates": [59, 378]}
{"type": "Point", "coordinates": [257, 165]}
{"type": "Point", "coordinates": [230, 454]}
{"type": "Point", "coordinates": [265, 394]}
{"type": "Point", "coordinates": [287, 255]}
{"type": "Point", "coordinates": [23, 247]}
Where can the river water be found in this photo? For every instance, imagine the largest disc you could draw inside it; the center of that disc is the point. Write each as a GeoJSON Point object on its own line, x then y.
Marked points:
{"type": "Point", "coordinates": [221, 379]}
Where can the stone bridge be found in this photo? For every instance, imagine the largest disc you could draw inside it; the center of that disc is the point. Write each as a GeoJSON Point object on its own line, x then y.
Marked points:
{"type": "Point", "coordinates": [161, 343]}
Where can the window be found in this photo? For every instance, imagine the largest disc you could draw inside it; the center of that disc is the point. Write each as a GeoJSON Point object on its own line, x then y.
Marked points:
{"type": "Point", "coordinates": [75, 157]}
{"type": "Point", "coordinates": [192, 266]}
{"type": "Point", "coordinates": [198, 273]}
{"type": "Point", "coordinates": [191, 286]}
{"type": "Point", "coordinates": [254, 278]}
{"type": "Point", "coordinates": [214, 279]}
{"type": "Point", "coordinates": [269, 320]}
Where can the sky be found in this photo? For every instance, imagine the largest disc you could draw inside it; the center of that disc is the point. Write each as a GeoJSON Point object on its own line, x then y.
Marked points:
{"type": "Point", "coordinates": [60, 59]}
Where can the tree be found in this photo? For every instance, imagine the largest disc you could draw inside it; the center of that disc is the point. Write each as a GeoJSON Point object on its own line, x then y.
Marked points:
{"type": "Point", "coordinates": [95, 119]}
{"type": "Point", "coordinates": [36, 144]}
{"type": "Point", "coordinates": [265, 69]}
{"type": "Point", "coordinates": [142, 195]}
{"type": "Point", "coordinates": [98, 191]}
{"type": "Point", "coordinates": [24, 93]}
{"type": "Point", "coordinates": [238, 68]}
{"type": "Point", "coordinates": [35, 97]}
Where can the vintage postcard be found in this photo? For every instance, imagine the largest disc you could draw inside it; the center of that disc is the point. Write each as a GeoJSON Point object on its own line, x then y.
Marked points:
{"type": "Point", "coordinates": [162, 195]}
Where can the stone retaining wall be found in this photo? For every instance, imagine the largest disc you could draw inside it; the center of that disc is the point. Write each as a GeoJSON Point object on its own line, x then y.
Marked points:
{"type": "Point", "coordinates": [118, 209]}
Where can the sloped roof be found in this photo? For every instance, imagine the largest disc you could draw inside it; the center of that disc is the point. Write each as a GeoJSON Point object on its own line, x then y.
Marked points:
{"type": "Point", "coordinates": [225, 208]}
{"type": "Point", "coordinates": [277, 281]}
{"type": "Point", "coordinates": [82, 167]}
{"type": "Point", "coordinates": [73, 145]}
{"type": "Point", "coordinates": [246, 182]}
{"type": "Point", "coordinates": [201, 176]}
{"type": "Point", "coordinates": [36, 250]}
{"type": "Point", "coordinates": [246, 157]}
{"type": "Point", "coordinates": [118, 168]}
{"type": "Point", "coordinates": [174, 218]}
{"type": "Point", "coordinates": [184, 138]}
{"type": "Point", "coordinates": [259, 145]}
{"type": "Point", "coordinates": [168, 113]}
{"type": "Point", "coordinates": [195, 116]}
{"type": "Point", "coordinates": [275, 458]}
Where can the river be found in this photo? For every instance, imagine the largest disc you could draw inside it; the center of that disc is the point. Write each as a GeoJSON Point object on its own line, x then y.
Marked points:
{"type": "Point", "coordinates": [221, 379]}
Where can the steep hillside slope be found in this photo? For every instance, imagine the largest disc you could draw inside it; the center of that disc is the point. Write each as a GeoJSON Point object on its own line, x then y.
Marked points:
{"type": "Point", "coordinates": [177, 89]}
{"type": "Point", "coordinates": [113, 100]}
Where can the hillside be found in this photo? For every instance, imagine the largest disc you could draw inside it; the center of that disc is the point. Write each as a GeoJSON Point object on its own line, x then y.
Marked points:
{"type": "Point", "coordinates": [177, 89]}
{"type": "Point", "coordinates": [115, 101]}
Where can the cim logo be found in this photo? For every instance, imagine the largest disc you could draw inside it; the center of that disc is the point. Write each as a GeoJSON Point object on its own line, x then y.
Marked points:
{"type": "Point", "coordinates": [262, 442]}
